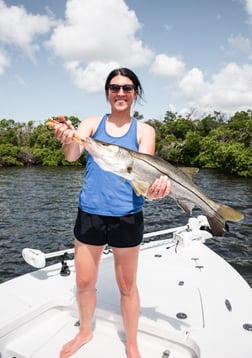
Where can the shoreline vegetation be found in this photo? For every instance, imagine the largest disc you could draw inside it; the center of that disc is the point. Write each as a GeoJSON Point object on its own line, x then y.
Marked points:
{"type": "Point", "coordinates": [211, 141]}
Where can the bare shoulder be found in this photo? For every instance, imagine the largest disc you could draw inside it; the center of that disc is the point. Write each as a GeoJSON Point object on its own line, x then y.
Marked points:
{"type": "Point", "coordinates": [146, 138]}
{"type": "Point", "coordinates": [145, 128]}
{"type": "Point", "coordinates": [88, 126]}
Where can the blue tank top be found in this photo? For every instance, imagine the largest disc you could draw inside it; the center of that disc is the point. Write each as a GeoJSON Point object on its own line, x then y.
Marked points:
{"type": "Point", "coordinates": [104, 193]}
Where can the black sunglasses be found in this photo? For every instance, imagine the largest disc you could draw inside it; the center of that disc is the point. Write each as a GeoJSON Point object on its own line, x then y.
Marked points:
{"type": "Point", "coordinates": [116, 88]}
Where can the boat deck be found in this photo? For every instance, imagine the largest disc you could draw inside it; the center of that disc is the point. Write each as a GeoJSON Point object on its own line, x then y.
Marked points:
{"type": "Point", "coordinates": [193, 305]}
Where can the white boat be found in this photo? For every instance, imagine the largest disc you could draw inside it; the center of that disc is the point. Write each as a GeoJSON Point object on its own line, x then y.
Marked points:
{"type": "Point", "coordinates": [193, 304]}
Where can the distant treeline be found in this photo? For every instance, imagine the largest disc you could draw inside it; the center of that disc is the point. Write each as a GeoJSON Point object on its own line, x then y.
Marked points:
{"type": "Point", "coordinates": [208, 142]}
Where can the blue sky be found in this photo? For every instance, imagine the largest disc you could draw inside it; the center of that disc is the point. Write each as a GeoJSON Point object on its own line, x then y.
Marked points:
{"type": "Point", "coordinates": [190, 55]}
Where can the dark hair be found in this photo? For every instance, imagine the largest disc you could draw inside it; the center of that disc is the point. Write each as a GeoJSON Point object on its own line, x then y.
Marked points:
{"type": "Point", "coordinates": [123, 71]}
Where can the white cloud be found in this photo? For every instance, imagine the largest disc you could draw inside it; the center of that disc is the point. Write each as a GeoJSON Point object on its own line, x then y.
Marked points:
{"type": "Point", "coordinates": [248, 6]}
{"type": "Point", "coordinates": [240, 42]}
{"type": "Point", "coordinates": [4, 62]}
{"type": "Point", "coordinates": [229, 90]}
{"type": "Point", "coordinates": [167, 66]}
{"type": "Point", "coordinates": [19, 28]}
{"type": "Point", "coordinates": [93, 77]}
{"type": "Point", "coordinates": [98, 31]}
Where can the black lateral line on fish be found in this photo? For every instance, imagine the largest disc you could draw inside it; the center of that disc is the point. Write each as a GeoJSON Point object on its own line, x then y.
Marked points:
{"type": "Point", "coordinates": [174, 179]}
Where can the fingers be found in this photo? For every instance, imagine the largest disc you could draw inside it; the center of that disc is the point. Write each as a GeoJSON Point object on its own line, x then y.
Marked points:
{"type": "Point", "coordinates": [64, 131]}
{"type": "Point", "coordinates": [63, 120]}
{"type": "Point", "coordinates": [160, 188]}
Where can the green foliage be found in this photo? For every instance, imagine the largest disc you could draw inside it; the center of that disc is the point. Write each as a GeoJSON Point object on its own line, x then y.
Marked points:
{"type": "Point", "coordinates": [209, 142]}
{"type": "Point", "coordinates": [9, 155]}
{"type": "Point", "coordinates": [137, 115]}
{"type": "Point", "coordinates": [26, 144]}
{"type": "Point", "coordinates": [191, 147]}
{"type": "Point", "coordinates": [206, 125]}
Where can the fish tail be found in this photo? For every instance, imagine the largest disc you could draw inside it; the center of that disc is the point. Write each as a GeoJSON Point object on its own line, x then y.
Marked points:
{"type": "Point", "coordinates": [218, 221]}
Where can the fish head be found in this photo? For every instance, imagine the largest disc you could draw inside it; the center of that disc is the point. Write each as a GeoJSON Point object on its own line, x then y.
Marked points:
{"type": "Point", "coordinates": [110, 157]}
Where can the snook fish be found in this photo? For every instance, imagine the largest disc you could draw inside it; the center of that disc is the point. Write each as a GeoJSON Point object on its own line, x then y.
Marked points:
{"type": "Point", "coordinates": [142, 169]}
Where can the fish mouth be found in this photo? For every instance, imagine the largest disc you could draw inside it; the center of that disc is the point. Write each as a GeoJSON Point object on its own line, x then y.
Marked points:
{"type": "Point", "coordinates": [90, 145]}
{"type": "Point", "coordinates": [87, 140]}
{"type": "Point", "coordinates": [98, 148]}
{"type": "Point", "coordinates": [90, 141]}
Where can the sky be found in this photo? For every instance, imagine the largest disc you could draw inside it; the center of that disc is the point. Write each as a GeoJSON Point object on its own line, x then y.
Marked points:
{"type": "Point", "coordinates": [191, 56]}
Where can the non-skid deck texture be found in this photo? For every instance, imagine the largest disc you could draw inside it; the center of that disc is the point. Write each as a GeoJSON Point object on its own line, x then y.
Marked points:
{"type": "Point", "coordinates": [183, 309]}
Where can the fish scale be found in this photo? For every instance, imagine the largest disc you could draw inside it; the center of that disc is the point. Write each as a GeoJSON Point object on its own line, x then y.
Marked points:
{"type": "Point", "coordinates": [142, 169]}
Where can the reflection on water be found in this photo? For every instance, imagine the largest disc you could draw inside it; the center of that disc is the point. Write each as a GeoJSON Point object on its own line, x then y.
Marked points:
{"type": "Point", "coordinates": [38, 208]}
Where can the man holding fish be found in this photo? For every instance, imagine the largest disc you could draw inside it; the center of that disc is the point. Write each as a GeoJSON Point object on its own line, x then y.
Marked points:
{"type": "Point", "coordinates": [109, 211]}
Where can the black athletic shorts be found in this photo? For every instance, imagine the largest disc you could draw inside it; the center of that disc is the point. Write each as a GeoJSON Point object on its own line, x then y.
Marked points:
{"type": "Point", "coordinates": [122, 231]}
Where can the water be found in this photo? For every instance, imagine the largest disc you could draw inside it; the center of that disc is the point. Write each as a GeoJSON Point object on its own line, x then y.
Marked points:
{"type": "Point", "coordinates": [38, 207]}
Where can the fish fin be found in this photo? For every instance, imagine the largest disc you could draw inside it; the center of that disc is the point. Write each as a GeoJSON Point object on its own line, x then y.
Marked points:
{"type": "Point", "coordinates": [189, 171]}
{"type": "Point", "coordinates": [185, 205]}
{"type": "Point", "coordinates": [217, 225]}
{"type": "Point", "coordinates": [140, 187]}
{"type": "Point", "coordinates": [229, 213]}
{"type": "Point", "coordinates": [218, 222]}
